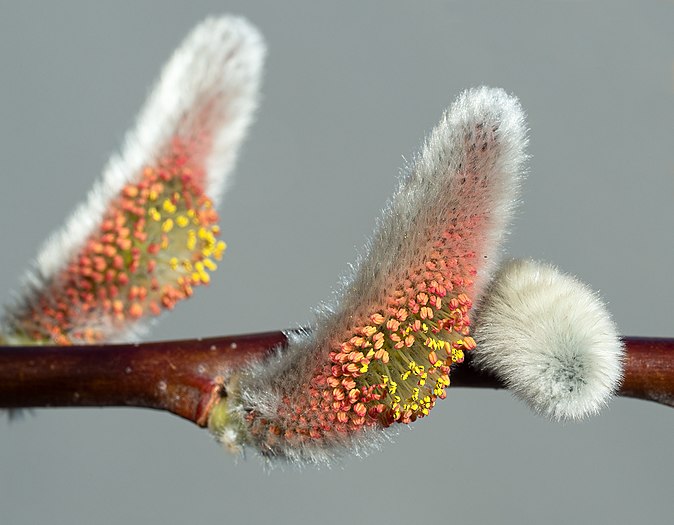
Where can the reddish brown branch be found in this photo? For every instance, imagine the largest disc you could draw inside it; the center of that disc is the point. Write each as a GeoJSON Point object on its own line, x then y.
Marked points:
{"type": "Point", "coordinates": [178, 376]}
{"type": "Point", "coordinates": [184, 377]}
{"type": "Point", "coordinates": [649, 370]}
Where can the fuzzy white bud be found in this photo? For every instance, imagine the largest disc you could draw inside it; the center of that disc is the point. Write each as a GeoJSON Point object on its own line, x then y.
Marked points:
{"type": "Point", "coordinates": [550, 339]}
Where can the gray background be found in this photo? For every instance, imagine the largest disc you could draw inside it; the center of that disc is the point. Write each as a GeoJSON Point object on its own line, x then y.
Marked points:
{"type": "Point", "coordinates": [349, 88]}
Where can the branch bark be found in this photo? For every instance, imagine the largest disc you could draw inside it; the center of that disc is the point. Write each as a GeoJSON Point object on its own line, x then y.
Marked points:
{"type": "Point", "coordinates": [178, 376]}
{"type": "Point", "coordinates": [184, 377]}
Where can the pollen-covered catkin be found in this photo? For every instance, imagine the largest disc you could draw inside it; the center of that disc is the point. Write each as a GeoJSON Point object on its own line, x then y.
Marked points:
{"type": "Point", "coordinates": [156, 242]}
{"type": "Point", "coordinates": [382, 352]}
{"type": "Point", "coordinates": [147, 234]}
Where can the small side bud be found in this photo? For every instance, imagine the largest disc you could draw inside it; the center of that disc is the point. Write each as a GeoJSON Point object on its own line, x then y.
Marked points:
{"type": "Point", "coordinates": [550, 339]}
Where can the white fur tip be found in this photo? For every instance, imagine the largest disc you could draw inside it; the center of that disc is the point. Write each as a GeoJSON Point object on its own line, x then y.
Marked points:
{"type": "Point", "coordinates": [210, 85]}
{"type": "Point", "coordinates": [550, 339]}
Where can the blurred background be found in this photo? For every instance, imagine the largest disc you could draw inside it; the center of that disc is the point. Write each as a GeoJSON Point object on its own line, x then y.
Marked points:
{"type": "Point", "coordinates": [351, 87]}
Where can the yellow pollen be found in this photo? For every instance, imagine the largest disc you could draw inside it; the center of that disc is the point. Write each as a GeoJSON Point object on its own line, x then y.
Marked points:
{"type": "Point", "coordinates": [169, 206]}
{"type": "Point", "coordinates": [220, 247]}
{"type": "Point", "coordinates": [191, 240]}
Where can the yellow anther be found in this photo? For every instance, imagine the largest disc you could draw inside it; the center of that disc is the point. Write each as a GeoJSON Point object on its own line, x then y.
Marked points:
{"type": "Point", "coordinates": [167, 226]}
{"type": "Point", "coordinates": [182, 221]}
{"type": "Point", "coordinates": [208, 263]}
{"type": "Point", "coordinates": [154, 214]}
{"type": "Point", "coordinates": [152, 195]}
{"type": "Point", "coordinates": [220, 247]}
{"type": "Point", "coordinates": [191, 240]}
{"type": "Point", "coordinates": [173, 263]}
{"type": "Point", "coordinates": [169, 206]}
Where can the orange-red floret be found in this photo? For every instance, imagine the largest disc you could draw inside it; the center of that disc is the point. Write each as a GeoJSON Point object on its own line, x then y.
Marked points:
{"type": "Point", "coordinates": [395, 363]}
{"type": "Point", "coordinates": [156, 241]}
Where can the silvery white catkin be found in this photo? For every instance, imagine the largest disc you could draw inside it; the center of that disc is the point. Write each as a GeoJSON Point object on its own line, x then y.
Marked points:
{"type": "Point", "coordinates": [550, 339]}
{"type": "Point", "coordinates": [465, 181]}
{"type": "Point", "coordinates": [209, 87]}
